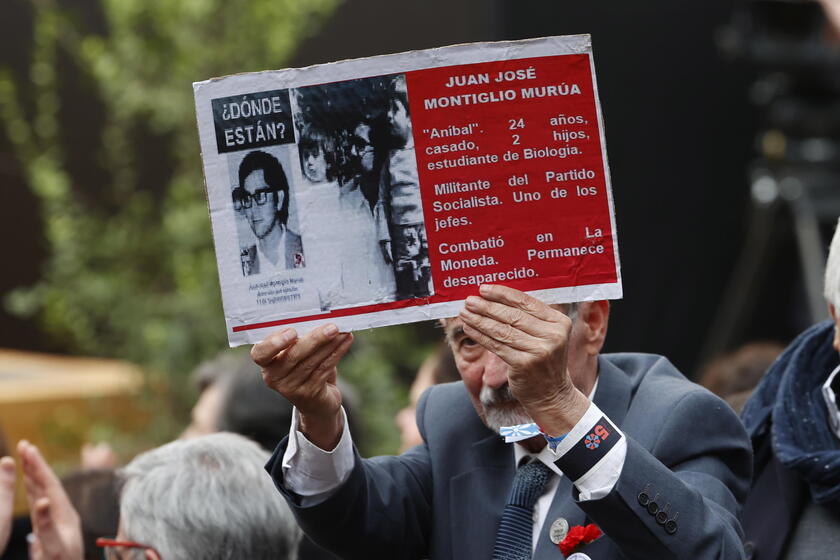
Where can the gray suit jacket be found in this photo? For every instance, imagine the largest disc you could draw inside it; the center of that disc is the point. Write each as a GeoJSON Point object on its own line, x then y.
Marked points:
{"type": "Point", "coordinates": [444, 499]}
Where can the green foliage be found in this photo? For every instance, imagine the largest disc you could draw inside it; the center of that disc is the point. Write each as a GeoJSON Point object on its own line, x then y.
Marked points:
{"type": "Point", "coordinates": [380, 359]}
{"type": "Point", "coordinates": [131, 271]}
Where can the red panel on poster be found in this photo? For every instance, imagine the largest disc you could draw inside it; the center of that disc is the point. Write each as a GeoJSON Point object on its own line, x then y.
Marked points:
{"type": "Point", "coordinates": [512, 175]}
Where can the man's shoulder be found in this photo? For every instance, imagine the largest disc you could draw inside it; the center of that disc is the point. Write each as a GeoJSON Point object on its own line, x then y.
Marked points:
{"type": "Point", "coordinates": [663, 407]}
{"type": "Point", "coordinates": [448, 396]}
{"type": "Point", "coordinates": [652, 376]}
{"type": "Point", "coordinates": [447, 408]}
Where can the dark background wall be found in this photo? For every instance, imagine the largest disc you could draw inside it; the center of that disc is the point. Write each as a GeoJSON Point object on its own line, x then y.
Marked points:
{"type": "Point", "coordinates": [679, 137]}
{"type": "Point", "coordinates": [21, 240]}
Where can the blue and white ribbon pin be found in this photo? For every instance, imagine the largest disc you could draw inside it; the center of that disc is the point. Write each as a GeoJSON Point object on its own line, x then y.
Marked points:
{"type": "Point", "coordinates": [519, 432]}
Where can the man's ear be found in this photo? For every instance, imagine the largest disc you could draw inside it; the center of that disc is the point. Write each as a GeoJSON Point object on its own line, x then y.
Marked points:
{"type": "Point", "coordinates": [594, 317]}
{"type": "Point", "coordinates": [833, 312]}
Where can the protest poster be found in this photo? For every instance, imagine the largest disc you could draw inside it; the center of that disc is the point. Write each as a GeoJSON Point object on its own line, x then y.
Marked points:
{"type": "Point", "coordinates": [385, 190]}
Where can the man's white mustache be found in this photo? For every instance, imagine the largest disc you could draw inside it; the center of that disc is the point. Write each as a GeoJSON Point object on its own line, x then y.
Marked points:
{"type": "Point", "coordinates": [499, 395]}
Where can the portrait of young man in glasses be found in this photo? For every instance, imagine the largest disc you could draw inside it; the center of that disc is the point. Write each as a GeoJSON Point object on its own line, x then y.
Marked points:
{"type": "Point", "coordinates": [262, 197]}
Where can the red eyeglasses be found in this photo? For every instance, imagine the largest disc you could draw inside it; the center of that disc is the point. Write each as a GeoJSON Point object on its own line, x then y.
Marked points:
{"type": "Point", "coordinates": [113, 548]}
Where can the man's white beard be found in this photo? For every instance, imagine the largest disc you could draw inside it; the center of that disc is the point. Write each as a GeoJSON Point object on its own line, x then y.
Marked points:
{"type": "Point", "coordinates": [501, 408]}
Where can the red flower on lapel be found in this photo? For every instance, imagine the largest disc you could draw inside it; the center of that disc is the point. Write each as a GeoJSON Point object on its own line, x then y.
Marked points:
{"type": "Point", "coordinates": [578, 537]}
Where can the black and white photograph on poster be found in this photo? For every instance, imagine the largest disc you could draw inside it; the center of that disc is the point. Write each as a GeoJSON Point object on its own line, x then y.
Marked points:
{"type": "Point", "coordinates": [261, 198]}
{"type": "Point", "coordinates": [355, 143]}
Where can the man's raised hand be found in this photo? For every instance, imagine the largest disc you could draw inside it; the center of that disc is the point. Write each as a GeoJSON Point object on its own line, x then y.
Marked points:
{"type": "Point", "coordinates": [532, 338]}
{"type": "Point", "coordinates": [303, 369]}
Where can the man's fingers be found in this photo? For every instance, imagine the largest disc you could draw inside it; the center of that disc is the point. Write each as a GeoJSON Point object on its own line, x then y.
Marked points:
{"type": "Point", "coordinates": [31, 481]}
{"type": "Point", "coordinates": [309, 345]}
{"type": "Point", "coordinates": [41, 482]}
{"type": "Point", "coordinates": [35, 466]}
{"type": "Point", "coordinates": [304, 369]}
{"type": "Point", "coordinates": [35, 551]}
{"type": "Point", "coordinates": [327, 368]}
{"type": "Point", "coordinates": [46, 530]}
{"type": "Point", "coordinates": [500, 332]}
{"type": "Point", "coordinates": [7, 474]}
{"type": "Point", "coordinates": [263, 353]}
{"type": "Point", "coordinates": [513, 316]}
{"type": "Point", "coordinates": [506, 353]}
{"type": "Point", "coordinates": [520, 300]}
{"type": "Point", "coordinates": [33, 491]}
{"type": "Point", "coordinates": [42, 521]}
{"type": "Point", "coordinates": [7, 483]}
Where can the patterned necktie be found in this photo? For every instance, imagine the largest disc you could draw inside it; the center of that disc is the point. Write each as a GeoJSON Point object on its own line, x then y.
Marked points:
{"type": "Point", "coordinates": [514, 539]}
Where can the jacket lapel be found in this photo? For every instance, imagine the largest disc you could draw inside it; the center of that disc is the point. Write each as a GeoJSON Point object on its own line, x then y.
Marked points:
{"type": "Point", "coordinates": [613, 398]}
{"type": "Point", "coordinates": [477, 498]}
{"type": "Point", "coordinates": [562, 506]}
{"type": "Point", "coordinates": [613, 393]}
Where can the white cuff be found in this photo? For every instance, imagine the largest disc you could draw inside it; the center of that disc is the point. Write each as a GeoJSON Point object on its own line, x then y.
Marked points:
{"type": "Point", "coordinates": [311, 472]}
{"type": "Point", "coordinates": [593, 452]}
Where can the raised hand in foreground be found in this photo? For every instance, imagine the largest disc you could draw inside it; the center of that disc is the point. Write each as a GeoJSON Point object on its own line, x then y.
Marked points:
{"type": "Point", "coordinates": [55, 522]}
{"type": "Point", "coordinates": [303, 369]}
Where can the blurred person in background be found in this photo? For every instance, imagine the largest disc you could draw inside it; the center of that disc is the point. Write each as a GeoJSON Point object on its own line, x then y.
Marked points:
{"type": "Point", "coordinates": [232, 398]}
{"type": "Point", "coordinates": [207, 497]}
{"type": "Point", "coordinates": [95, 495]}
{"type": "Point", "coordinates": [734, 375]}
{"type": "Point", "coordinates": [439, 367]}
{"type": "Point", "coordinates": [793, 510]}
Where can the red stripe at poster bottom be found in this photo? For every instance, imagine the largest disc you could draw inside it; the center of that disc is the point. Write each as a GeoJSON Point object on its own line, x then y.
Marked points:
{"type": "Point", "coordinates": [362, 310]}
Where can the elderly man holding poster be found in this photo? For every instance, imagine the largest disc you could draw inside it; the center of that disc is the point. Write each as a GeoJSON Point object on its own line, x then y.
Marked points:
{"type": "Point", "coordinates": [612, 455]}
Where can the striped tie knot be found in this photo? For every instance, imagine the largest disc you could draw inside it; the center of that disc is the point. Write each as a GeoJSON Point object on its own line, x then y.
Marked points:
{"type": "Point", "coordinates": [514, 537]}
{"type": "Point", "coordinates": [528, 484]}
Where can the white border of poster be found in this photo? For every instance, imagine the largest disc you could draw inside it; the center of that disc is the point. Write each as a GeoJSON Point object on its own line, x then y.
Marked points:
{"type": "Point", "coordinates": [237, 286]}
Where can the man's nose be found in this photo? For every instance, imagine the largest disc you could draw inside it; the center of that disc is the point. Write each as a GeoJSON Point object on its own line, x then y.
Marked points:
{"type": "Point", "coordinates": [495, 371]}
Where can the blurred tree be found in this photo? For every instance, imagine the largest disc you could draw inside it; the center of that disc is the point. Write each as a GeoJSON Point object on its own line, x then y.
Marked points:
{"type": "Point", "coordinates": [381, 366]}
{"type": "Point", "coordinates": [131, 271]}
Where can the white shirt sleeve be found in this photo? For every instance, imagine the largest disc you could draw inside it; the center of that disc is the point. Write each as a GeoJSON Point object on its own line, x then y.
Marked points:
{"type": "Point", "coordinates": [311, 472]}
{"type": "Point", "coordinates": [599, 479]}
